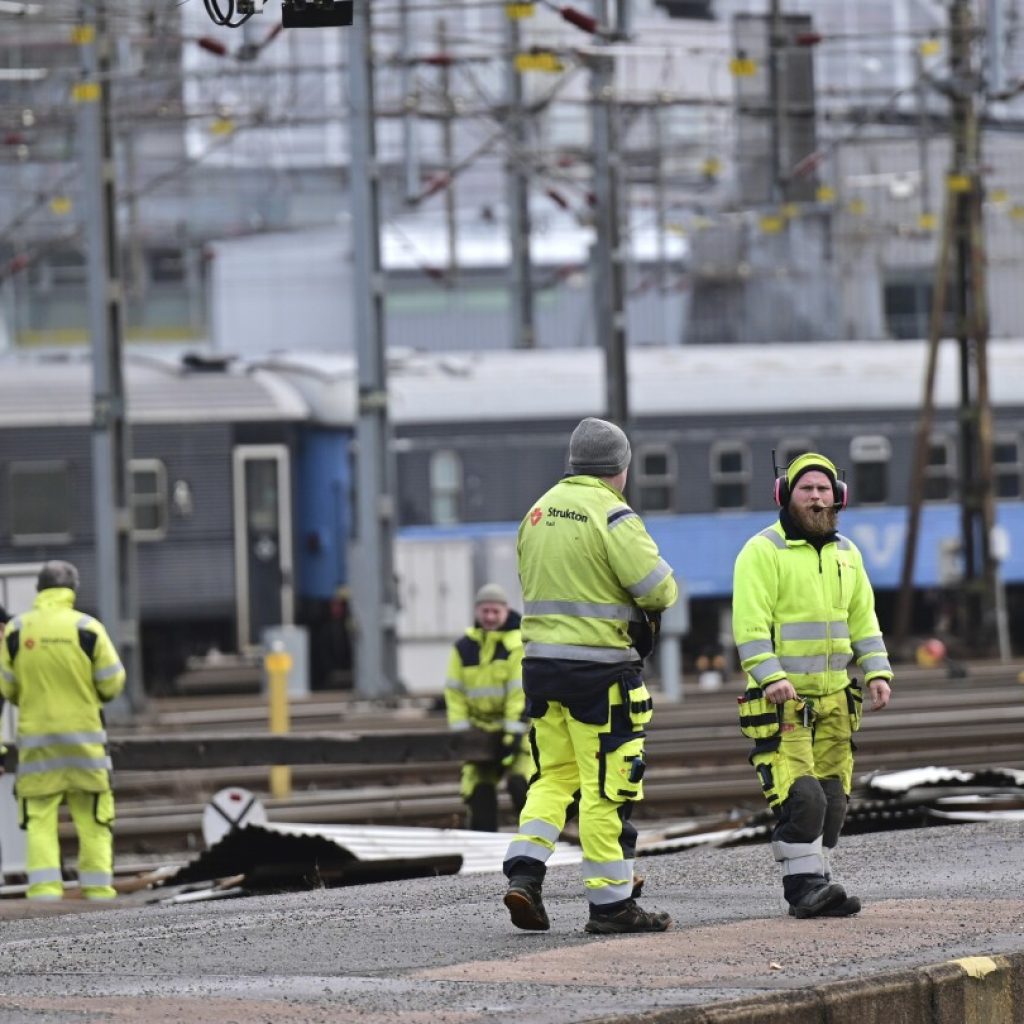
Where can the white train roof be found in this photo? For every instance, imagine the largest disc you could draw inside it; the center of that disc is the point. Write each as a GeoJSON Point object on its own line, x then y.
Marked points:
{"type": "Point", "coordinates": [56, 390]}
{"type": "Point", "coordinates": [689, 380]}
{"type": "Point", "coordinates": [692, 380]}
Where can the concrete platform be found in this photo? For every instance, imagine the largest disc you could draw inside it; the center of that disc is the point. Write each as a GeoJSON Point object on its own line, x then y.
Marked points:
{"type": "Point", "coordinates": [940, 941]}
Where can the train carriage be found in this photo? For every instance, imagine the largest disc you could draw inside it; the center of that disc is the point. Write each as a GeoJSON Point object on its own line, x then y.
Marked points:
{"type": "Point", "coordinates": [242, 469]}
{"type": "Point", "coordinates": [211, 467]}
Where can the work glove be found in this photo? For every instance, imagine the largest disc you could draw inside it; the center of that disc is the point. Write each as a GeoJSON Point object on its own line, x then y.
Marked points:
{"type": "Point", "coordinates": [644, 634]}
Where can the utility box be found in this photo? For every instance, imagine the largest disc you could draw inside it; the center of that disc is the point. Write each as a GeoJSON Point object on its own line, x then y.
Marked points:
{"type": "Point", "coordinates": [294, 641]}
{"type": "Point", "coordinates": [435, 596]}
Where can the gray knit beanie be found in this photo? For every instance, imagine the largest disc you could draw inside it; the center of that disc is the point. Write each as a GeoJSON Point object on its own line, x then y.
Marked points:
{"type": "Point", "coordinates": [598, 448]}
{"type": "Point", "coordinates": [491, 593]}
{"type": "Point", "coordinates": [57, 574]}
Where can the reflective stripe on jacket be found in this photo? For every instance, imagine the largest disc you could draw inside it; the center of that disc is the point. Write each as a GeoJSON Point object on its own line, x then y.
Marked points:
{"type": "Point", "coordinates": [484, 685]}
{"type": "Point", "coordinates": [587, 566]}
{"type": "Point", "coordinates": [804, 615]}
{"type": "Point", "coordinates": [59, 666]}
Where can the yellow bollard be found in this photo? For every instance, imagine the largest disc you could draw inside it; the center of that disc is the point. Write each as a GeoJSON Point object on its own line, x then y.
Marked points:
{"type": "Point", "coordinates": [278, 663]}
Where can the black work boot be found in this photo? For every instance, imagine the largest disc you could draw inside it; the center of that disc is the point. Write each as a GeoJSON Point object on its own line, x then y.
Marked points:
{"type": "Point", "coordinates": [628, 918]}
{"type": "Point", "coordinates": [524, 904]}
{"type": "Point", "coordinates": [849, 907]}
{"type": "Point", "coordinates": [638, 886]}
{"type": "Point", "coordinates": [818, 900]}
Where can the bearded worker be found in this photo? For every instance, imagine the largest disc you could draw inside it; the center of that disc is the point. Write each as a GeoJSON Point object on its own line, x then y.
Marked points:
{"type": "Point", "coordinates": [803, 611]}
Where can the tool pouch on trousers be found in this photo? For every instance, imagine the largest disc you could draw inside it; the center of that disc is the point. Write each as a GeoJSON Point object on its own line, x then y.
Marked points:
{"type": "Point", "coordinates": [621, 750]}
{"type": "Point", "coordinates": [760, 719]}
{"type": "Point", "coordinates": [854, 704]}
{"type": "Point", "coordinates": [637, 700]}
{"type": "Point", "coordinates": [621, 766]}
{"type": "Point", "coordinates": [103, 809]}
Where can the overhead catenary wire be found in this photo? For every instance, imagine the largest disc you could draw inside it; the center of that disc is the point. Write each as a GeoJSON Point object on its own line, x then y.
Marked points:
{"type": "Point", "coordinates": [535, 159]}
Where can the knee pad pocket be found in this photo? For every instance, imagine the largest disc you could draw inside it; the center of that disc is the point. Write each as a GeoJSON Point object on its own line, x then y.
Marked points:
{"type": "Point", "coordinates": [806, 806]}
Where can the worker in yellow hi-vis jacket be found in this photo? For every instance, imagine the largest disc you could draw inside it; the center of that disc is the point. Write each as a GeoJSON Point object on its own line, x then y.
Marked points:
{"type": "Point", "coordinates": [59, 667]}
{"type": "Point", "coordinates": [484, 690]}
{"type": "Point", "coordinates": [593, 586]}
{"type": "Point", "coordinates": [803, 611]}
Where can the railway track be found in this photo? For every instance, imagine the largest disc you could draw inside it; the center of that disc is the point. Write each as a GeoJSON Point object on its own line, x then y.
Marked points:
{"type": "Point", "coordinates": [697, 757]}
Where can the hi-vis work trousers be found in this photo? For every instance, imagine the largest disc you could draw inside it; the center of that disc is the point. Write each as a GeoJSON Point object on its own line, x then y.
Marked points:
{"type": "Point", "coordinates": [817, 745]}
{"type": "Point", "coordinates": [604, 763]}
{"type": "Point", "coordinates": [93, 817]}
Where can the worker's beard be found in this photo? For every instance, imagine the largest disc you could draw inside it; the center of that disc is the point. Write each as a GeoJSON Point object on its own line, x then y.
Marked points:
{"type": "Point", "coordinates": [816, 522]}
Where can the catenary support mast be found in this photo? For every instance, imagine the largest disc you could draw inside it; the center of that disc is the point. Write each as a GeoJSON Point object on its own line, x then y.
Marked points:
{"type": "Point", "coordinates": [373, 581]}
{"type": "Point", "coordinates": [111, 443]}
{"type": "Point", "coordinates": [960, 272]}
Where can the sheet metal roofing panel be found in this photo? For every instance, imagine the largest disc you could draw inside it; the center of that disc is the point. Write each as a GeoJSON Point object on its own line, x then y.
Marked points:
{"type": "Point", "coordinates": [58, 392]}
{"type": "Point", "coordinates": [480, 851]}
{"type": "Point", "coordinates": [355, 852]}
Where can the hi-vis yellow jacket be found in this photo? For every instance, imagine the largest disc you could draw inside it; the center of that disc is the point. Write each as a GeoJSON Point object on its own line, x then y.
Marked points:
{"type": "Point", "coordinates": [484, 686]}
{"type": "Point", "coordinates": [804, 615]}
{"type": "Point", "coordinates": [587, 565]}
{"type": "Point", "coordinates": [59, 666]}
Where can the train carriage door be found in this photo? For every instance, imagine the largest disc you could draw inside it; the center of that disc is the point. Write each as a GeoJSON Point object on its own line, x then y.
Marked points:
{"type": "Point", "coordinates": [264, 579]}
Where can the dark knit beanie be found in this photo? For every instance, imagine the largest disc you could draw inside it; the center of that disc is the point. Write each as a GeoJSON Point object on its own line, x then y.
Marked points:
{"type": "Point", "coordinates": [598, 448]}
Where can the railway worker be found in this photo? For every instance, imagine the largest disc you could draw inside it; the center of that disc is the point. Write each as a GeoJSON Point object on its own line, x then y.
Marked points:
{"type": "Point", "coordinates": [593, 586]}
{"type": "Point", "coordinates": [59, 667]}
{"type": "Point", "coordinates": [484, 689]}
{"type": "Point", "coordinates": [803, 609]}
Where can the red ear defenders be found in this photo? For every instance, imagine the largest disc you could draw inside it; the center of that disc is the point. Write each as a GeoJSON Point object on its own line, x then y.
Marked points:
{"type": "Point", "coordinates": [840, 492]}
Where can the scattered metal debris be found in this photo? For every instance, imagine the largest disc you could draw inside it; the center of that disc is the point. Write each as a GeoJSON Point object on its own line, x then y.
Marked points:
{"type": "Point", "coordinates": [262, 855]}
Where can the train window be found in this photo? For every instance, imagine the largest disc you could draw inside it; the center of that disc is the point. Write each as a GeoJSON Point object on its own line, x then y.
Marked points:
{"type": "Point", "coordinates": [261, 488]}
{"type": "Point", "coordinates": [940, 470]}
{"type": "Point", "coordinates": [655, 477]}
{"type": "Point", "coordinates": [445, 486]}
{"type": "Point", "coordinates": [165, 265]}
{"type": "Point", "coordinates": [730, 473]}
{"type": "Point", "coordinates": [149, 499]}
{"type": "Point", "coordinates": [870, 454]}
{"type": "Point", "coordinates": [42, 500]}
{"type": "Point", "coordinates": [1006, 466]}
{"type": "Point", "coordinates": [66, 267]}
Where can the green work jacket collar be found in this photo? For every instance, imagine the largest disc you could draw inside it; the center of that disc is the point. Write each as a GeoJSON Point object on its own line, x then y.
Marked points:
{"type": "Point", "coordinates": [591, 481]}
{"type": "Point", "coordinates": [55, 597]}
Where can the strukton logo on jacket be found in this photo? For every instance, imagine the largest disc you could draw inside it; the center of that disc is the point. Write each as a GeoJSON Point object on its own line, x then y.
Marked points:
{"type": "Point", "coordinates": [567, 513]}
{"type": "Point", "coordinates": [535, 516]}
{"type": "Point", "coordinates": [30, 643]}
